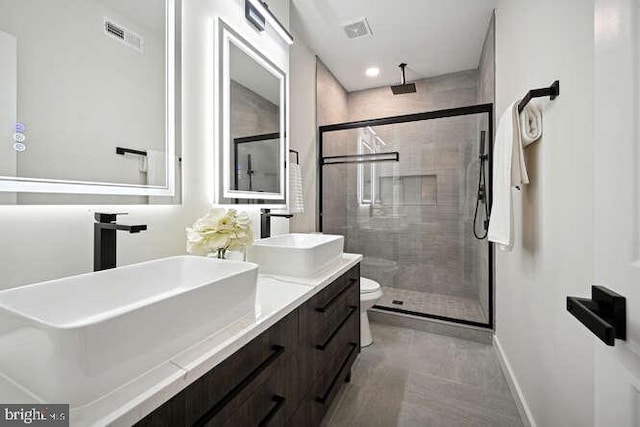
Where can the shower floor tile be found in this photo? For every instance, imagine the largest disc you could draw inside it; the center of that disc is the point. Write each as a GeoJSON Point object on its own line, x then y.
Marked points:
{"type": "Point", "coordinates": [429, 303]}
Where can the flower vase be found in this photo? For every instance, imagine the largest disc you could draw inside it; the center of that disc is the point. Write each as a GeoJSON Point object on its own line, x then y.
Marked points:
{"type": "Point", "coordinates": [222, 253]}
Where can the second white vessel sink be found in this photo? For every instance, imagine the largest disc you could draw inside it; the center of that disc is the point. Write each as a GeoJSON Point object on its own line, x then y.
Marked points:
{"type": "Point", "coordinates": [74, 339]}
{"type": "Point", "coordinates": [299, 255]}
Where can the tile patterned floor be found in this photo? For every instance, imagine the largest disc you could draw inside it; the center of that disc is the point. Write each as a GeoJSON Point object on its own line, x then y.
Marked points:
{"type": "Point", "coordinates": [411, 378]}
{"type": "Point", "coordinates": [439, 304]}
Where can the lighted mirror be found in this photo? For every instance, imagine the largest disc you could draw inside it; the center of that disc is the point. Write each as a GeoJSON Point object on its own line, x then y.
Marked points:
{"type": "Point", "coordinates": [88, 108]}
{"type": "Point", "coordinates": [252, 142]}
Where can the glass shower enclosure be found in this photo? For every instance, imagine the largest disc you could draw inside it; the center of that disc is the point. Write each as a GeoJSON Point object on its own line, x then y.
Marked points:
{"type": "Point", "coordinates": [407, 192]}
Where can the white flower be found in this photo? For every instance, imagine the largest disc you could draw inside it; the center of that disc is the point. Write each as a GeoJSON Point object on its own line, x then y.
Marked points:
{"type": "Point", "coordinates": [219, 229]}
{"type": "Point", "coordinates": [243, 221]}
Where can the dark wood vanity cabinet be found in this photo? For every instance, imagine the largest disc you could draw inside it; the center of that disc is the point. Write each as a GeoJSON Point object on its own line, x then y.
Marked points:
{"type": "Point", "coordinates": [330, 342]}
{"type": "Point", "coordinates": [287, 376]}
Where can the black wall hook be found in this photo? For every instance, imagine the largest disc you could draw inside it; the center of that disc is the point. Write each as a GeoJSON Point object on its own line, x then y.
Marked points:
{"type": "Point", "coordinates": [605, 314]}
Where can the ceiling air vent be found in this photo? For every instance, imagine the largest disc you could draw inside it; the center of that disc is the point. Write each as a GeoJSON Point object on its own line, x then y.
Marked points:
{"type": "Point", "coordinates": [123, 34]}
{"type": "Point", "coordinates": [359, 28]}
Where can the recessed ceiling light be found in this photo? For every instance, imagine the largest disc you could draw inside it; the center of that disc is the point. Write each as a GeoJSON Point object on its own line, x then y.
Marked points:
{"type": "Point", "coordinates": [373, 71]}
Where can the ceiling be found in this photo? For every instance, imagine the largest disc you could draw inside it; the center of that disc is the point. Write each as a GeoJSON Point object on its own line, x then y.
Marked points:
{"type": "Point", "coordinates": [434, 37]}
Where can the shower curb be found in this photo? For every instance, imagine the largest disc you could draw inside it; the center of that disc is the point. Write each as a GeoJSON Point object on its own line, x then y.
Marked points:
{"type": "Point", "coordinates": [440, 327]}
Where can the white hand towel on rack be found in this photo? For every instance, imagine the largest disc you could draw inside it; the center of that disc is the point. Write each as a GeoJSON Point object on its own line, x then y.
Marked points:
{"type": "Point", "coordinates": [296, 199]}
{"type": "Point", "coordinates": [509, 170]}
{"type": "Point", "coordinates": [530, 124]}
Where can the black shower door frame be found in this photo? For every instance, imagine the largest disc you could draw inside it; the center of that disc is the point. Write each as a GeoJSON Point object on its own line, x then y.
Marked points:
{"type": "Point", "coordinates": [429, 115]}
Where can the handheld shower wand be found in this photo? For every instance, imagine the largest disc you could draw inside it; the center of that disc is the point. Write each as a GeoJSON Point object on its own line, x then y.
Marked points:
{"type": "Point", "coordinates": [482, 193]}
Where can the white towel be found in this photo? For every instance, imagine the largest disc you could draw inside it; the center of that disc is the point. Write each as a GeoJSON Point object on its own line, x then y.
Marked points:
{"type": "Point", "coordinates": [531, 124]}
{"type": "Point", "coordinates": [296, 199]}
{"type": "Point", "coordinates": [509, 170]}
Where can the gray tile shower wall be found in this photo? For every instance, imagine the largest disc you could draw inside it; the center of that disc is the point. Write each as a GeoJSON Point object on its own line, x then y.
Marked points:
{"type": "Point", "coordinates": [487, 67]}
{"type": "Point", "coordinates": [332, 107]}
{"type": "Point", "coordinates": [423, 247]}
{"type": "Point", "coordinates": [486, 95]}
{"type": "Point", "coordinates": [252, 114]}
{"type": "Point", "coordinates": [435, 93]}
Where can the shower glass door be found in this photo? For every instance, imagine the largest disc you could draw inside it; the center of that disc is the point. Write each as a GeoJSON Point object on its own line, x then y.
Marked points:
{"type": "Point", "coordinates": [404, 192]}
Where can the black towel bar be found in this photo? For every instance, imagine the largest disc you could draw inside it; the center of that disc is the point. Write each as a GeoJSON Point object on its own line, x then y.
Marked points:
{"type": "Point", "coordinates": [552, 92]}
{"type": "Point", "coordinates": [122, 151]}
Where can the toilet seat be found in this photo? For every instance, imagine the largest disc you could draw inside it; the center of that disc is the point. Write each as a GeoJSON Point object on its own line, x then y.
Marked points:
{"type": "Point", "coordinates": [368, 286]}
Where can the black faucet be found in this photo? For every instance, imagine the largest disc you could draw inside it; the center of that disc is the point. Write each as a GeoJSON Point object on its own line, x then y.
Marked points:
{"type": "Point", "coordinates": [104, 239]}
{"type": "Point", "coordinates": [265, 221]}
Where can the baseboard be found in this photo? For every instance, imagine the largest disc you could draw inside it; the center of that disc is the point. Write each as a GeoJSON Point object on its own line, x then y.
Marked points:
{"type": "Point", "coordinates": [514, 386]}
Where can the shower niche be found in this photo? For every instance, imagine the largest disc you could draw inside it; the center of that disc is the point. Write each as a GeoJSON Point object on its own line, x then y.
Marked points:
{"type": "Point", "coordinates": [408, 190]}
{"type": "Point", "coordinates": [404, 194]}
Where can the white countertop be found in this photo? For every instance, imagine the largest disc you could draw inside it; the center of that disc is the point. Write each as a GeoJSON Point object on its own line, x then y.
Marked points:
{"type": "Point", "coordinates": [276, 297]}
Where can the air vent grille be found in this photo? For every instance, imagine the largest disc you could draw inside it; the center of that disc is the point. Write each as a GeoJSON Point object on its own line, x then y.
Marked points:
{"type": "Point", "coordinates": [114, 30]}
{"type": "Point", "coordinates": [359, 28]}
{"type": "Point", "coordinates": [123, 34]}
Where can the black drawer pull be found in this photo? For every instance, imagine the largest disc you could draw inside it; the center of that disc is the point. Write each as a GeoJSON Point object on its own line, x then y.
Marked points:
{"type": "Point", "coordinates": [328, 305]}
{"type": "Point", "coordinates": [272, 413]}
{"type": "Point", "coordinates": [352, 309]}
{"type": "Point", "coordinates": [323, 399]}
{"type": "Point", "coordinates": [277, 351]}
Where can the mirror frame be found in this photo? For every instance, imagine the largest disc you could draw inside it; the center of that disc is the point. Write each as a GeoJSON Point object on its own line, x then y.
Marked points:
{"type": "Point", "coordinates": [225, 36]}
{"type": "Point", "coordinates": [173, 18]}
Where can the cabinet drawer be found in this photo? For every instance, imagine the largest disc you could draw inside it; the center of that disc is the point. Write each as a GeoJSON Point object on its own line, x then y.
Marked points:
{"type": "Point", "coordinates": [325, 300]}
{"type": "Point", "coordinates": [217, 394]}
{"type": "Point", "coordinates": [339, 368]}
{"type": "Point", "coordinates": [273, 403]}
{"type": "Point", "coordinates": [322, 314]}
{"type": "Point", "coordinates": [323, 331]}
{"type": "Point", "coordinates": [214, 397]}
{"type": "Point", "coordinates": [329, 357]}
{"type": "Point", "coordinates": [316, 403]}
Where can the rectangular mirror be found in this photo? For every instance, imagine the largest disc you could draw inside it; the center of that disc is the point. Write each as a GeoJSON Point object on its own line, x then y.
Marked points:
{"type": "Point", "coordinates": [252, 142]}
{"type": "Point", "coordinates": [87, 101]}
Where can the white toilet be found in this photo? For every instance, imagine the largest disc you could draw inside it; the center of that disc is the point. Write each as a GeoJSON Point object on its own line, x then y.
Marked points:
{"type": "Point", "coordinates": [370, 293]}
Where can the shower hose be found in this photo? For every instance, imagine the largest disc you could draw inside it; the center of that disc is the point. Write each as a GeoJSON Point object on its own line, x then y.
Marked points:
{"type": "Point", "coordinates": [482, 198]}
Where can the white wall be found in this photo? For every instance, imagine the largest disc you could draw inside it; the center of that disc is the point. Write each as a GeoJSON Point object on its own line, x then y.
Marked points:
{"type": "Point", "coordinates": [549, 351]}
{"type": "Point", "coordinates": [303, 130]}
{"type": "Point", "coordinates": [47, 242]}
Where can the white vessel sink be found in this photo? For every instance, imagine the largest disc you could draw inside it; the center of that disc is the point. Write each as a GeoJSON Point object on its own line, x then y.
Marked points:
{"type": "Point", "coordinates": [299, 255]}
{"type": "Point", "coordinates": [72, 340]}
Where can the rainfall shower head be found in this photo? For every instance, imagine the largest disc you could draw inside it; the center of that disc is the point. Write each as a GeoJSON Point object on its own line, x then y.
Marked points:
{"type": "Point", "coordinates": [404, 87]}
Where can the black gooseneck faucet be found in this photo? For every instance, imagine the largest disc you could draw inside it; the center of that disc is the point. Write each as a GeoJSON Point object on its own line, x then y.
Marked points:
{"type": "Point", "coordinates": [265, 221]}
{"type": "Point", "coordinates": [104, 239]}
